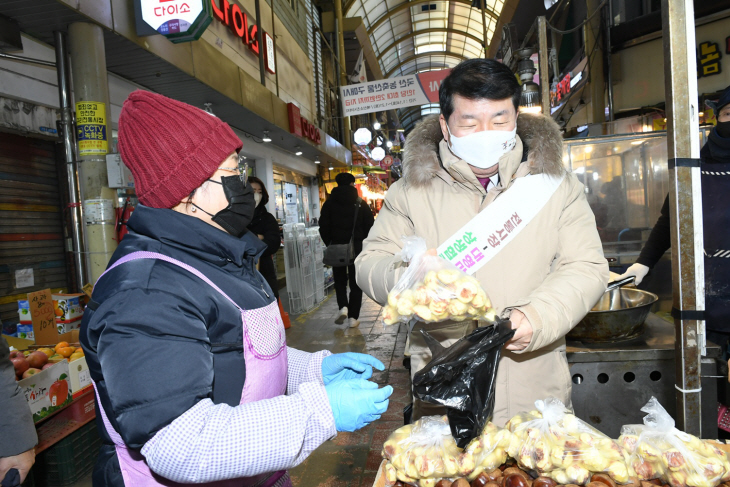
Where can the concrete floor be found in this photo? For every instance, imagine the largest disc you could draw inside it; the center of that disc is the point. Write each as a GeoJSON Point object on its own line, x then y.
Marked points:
{"type": "Point", "coordinates": [350, 459]}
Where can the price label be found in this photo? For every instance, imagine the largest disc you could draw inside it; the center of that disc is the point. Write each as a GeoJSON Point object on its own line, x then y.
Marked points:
{"type": "Point", "coordinates": [44, 319]}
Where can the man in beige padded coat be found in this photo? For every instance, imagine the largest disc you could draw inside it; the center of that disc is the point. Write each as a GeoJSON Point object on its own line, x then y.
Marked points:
{"type": "Point", "coordinates": [549, 269]}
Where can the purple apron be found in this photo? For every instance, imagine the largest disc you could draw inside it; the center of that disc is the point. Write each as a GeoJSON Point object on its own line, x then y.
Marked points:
{"type": "Point", "coordinates": [264, 351]}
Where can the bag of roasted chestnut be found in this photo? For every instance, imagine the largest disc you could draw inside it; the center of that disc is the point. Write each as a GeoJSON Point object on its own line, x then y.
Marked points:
{"type": "Point", "coordinates": [658, 450]}
{"type": "Point", "coordinates": [462, 377]}
{"type": "Point", "coordinates": [552, 442]}
{"type": "Point", "coordinates": [432, 290]}
{"type": "Point", "coordinates": [425, 453]}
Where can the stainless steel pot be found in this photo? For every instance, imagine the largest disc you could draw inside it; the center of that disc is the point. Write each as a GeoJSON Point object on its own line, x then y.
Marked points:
{"type": "Point", "coordinates": [618, 315]}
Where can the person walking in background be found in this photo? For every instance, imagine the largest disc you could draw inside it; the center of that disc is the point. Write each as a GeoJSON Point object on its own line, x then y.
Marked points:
{"type": "Point", "coordinates": [715, 167]}
{"type": "Point", "coordinates": [336, 227]}
{"type": "Point", "coordinates": [265, 227]}
{"type": "Point", "coordinates": [17, 431]}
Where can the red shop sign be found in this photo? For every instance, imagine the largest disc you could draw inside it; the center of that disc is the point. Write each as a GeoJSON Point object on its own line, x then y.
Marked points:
{"type": "Point", "coordinates": [231, 15]}
{"type": "Point", "coordinates": [302, 127]}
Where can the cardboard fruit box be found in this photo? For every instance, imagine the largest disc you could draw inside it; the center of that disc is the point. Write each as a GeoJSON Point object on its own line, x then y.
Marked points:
{"type": "Point", "coordinates": [47, 391]}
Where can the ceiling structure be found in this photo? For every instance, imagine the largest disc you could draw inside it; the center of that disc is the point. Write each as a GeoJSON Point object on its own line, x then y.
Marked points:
{"type": "Point", "coordinates": [410, 37]}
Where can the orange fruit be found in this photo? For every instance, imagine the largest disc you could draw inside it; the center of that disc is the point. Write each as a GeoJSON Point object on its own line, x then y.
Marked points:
{"type": "Point", "coordinates": [79, 350]}
{"type": "Point", "coordinates": [47, 351]}
{"type": "Point", "coordinates": [65, 351]}
{"type": "Point", "coordinates": [60, 345]}
{"type": "Point", "coordinates": [58, 312]}
{"type": "Point", "coordinates": [75, 356]}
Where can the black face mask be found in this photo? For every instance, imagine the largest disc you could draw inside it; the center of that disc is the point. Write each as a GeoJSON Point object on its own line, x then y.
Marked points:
{"type": "Point", "coordinates": [235, 217]}
{"type": "Point", "coordinates": [723, 129]}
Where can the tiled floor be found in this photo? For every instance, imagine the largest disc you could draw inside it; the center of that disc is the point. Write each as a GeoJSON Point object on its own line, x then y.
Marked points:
{"type": "Point", "coordinates": [350, 459]}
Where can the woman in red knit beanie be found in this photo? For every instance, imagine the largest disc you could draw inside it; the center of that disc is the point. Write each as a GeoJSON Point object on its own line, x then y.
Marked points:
{"type": "Point", "coordinates": [183, 337]}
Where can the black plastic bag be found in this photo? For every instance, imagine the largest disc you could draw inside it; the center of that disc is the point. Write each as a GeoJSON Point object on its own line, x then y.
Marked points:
{"type": "Point", "coordinates": [462, 378]}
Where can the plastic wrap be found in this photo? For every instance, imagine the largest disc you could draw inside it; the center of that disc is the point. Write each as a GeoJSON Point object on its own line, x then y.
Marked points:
{"type": "Point", "coordinates": [433, 290]}
{"type": "Point", "coordinates": [425, 452]}
{"type": "Point", "coordinates": [659, 450]}
{"type": "Point", "coordinates": [553, 442]}
{"type": "Point", "coordinates": [462, 378]}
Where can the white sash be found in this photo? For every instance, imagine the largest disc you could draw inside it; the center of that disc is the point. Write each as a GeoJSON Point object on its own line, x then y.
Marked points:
{"type": "Point", "coordinates": [493, 228]}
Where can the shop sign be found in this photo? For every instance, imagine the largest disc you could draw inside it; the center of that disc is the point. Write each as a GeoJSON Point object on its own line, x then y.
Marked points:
{"type": "Point", "coordinates": [269, 54]}
{"type": "Point", "coordinates": [386, 162]}
{"type": "Point", "coordinates": [302, 127]}
{"type": "Point", "coordinates": [91, 128]}
{"type": "Point", "coordinates": [392, 93]}
{"type": "Point", "coordinates": [237, 20]}
{"type": "Point", "coordinates": [708, 59]}
{"type": "Point", "coordinates": [178, 20]}
{"type": "Point", "coordinates": [568, 84]}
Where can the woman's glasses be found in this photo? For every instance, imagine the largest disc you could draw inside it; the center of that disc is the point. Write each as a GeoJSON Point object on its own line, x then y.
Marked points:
{"type": "Point", "coordinates": [241, 169]}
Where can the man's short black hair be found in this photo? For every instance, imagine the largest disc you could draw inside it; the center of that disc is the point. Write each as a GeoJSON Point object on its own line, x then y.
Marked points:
{"type": "Point", "coordinates": [477, 79]}
{"type": "Point", "coordinates": [344, 179]}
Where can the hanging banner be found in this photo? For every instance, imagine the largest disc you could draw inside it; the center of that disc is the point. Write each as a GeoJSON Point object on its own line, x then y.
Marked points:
{"type": "Point", "coordinates": [392, 93]}
{"type": "Point", "coordinates": [91, 128]}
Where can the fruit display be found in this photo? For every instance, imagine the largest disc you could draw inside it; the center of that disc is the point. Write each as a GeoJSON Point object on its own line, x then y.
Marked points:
{"type": "Point", "coordinates": [425, 453]}
{"type": "Point", "coordinates": [657, 449]}
{"type": "Point", "coordinates": [446, 294]}
{"type": "Point", "coordinates": [554, 443]}
{"type": "Point", "coordinates": [29, 362]}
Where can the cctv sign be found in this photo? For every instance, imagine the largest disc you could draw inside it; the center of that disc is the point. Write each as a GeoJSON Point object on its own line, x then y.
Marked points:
{"type": "Point", "coordinates": [178, 20]}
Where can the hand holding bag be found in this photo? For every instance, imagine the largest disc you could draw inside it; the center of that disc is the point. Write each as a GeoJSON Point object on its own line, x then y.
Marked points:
{"type": "Point", "coordinates": [342, 255]}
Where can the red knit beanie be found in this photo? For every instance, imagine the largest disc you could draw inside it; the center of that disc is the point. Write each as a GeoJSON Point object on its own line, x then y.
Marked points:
{"type": "Point", "coordinates": [170, 147]}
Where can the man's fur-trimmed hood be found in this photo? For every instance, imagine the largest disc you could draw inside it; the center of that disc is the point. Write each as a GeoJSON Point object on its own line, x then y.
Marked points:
{"type": "Point", "coordinates": [540, 136]}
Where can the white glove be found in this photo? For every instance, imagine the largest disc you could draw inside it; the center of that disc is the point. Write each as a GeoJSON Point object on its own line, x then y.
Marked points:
{"type": "Point", "coordinates": [638, 270]}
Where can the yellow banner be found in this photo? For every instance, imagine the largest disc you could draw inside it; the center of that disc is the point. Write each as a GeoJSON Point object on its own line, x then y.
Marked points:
{"type": "Point", "coordinates": [91, 128]}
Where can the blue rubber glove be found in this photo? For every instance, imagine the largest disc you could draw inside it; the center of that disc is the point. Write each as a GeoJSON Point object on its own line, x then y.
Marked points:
{"type": "Point", "coordinates": [356, 403]}
{"type": "Point", "coordinates": [350, 365]}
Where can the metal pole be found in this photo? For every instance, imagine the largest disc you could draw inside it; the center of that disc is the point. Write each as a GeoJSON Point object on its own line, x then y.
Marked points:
{"type": "Point", "coordinates": [66, 123]}
{"type": "Point", "coordinates": [273, 39]}
{"type": "Point", "coordinates": [543, 54]}
{"type": "Point", "coordinates": [260, 40]}
{"type": "Point", "coordinates": [484, 25]}
{"type": "Point", "coordinates": [24, 59]}
{"type": "Point", "coordinates": [317, 58]}
{"type": "Point", "coordinates": [685, 198]}
{"type": "Point", "coordinates": [594, 51]}
{"type": "Point", "coordinates": [343, 72]}
{"type": "Point", "coordinates": [91, 88]}
{"type": "Point", "coordinates": [609, 62]}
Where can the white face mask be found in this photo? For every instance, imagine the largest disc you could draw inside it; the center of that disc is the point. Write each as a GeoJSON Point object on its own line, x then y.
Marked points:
{"type": "Point", "coordinates": [482, 149]}
{"type": "Point", "coordinates": [257, 198]}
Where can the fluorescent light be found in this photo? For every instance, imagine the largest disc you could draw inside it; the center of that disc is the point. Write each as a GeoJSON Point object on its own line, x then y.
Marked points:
{"type": "Point", "coordinates": [299, 153]}
{"type": "Point", "coordinates": [331, 168]}
{"type": "Point", "coordinates": [400, 130]}
{"type": "Point", "coordinates": [316, 161]}
{"type": "Point", "coordinates": [266, 136]}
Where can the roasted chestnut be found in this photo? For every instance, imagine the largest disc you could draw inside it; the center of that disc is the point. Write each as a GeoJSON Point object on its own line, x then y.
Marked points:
{"type": "Point", "coordinates": [595, 484]}
{"type": "Point", "coordinates": [444, 483]}
{"type": "Point", "coordinates": [481, 480]}
{"type": "Point", "coordinates": [494, 474]}
{"type": "Point", "coordinates": [604, 479]}
{"type": "Point", "coordinates": [515, 480]}
{"type": "Point", "coordinates": [462, 482]}
{"type": "Point", "coordinates": [518, 471]}
{"type": "Point", "coordinates": [544, 482]}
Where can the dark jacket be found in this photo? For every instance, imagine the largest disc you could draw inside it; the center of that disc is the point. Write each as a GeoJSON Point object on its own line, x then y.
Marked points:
{"type": "Point", "coordinates": [167, 339]}
{"type": "Point", "coordinates": [338, 215]}
{"type": "Point", "coordinates": [17, 432]}
{"type": "Point", "coordinates": [716, 150]}
{"type": "Point", "coordinates": [265, 224]}
{"type": "Point", "coordinates": [715, 166]}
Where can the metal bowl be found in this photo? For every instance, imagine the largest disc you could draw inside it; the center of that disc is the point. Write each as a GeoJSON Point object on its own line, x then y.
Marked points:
{"type": "Point", "coordinates": [618, 315]}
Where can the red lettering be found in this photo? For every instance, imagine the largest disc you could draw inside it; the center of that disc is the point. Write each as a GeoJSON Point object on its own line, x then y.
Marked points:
{"type": "Point", "coordinates": [245, 29]}
{"type": "Point", "coordinates": [157, 13]}
{"type": "Point", "coordinates": [226, 9]}
{"type": "Point", "coordinates": [217, 12]}
{"type": "Point", "coordinates": [238, 25]}
{"type": "Point", "coordinates": [253, 43]}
